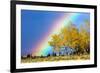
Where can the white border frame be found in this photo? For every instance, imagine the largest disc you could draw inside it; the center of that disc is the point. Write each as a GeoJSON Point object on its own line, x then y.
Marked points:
{"type": "Point", "coordinates": [20, 65]}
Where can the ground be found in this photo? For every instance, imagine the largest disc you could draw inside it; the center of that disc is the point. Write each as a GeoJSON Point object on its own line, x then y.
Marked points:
{"type": "Point", "coordinates": [56, 58]}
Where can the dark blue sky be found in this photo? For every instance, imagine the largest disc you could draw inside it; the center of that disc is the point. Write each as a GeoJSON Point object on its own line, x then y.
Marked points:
{"type": "Point", "coordinates": [34, 25]}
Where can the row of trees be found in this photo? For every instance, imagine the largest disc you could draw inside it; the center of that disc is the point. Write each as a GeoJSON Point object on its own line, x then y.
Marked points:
{"type": "Point", "coordinates": [74, 37]}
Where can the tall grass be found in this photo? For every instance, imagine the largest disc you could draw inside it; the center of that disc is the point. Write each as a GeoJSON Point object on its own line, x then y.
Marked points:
{"type": "Point", "coordinates": [55, 58]}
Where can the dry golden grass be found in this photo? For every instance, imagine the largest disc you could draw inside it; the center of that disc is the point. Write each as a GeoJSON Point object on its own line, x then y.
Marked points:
{"type": "Point", "coordinates": [56, 58]}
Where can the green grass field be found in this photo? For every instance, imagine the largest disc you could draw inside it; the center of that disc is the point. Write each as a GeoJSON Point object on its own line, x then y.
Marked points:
{"type": "Point", "coordinates": [56, 58]}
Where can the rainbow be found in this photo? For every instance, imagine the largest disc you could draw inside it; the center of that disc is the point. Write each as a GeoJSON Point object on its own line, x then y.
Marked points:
{"type": "Point", "coordinates": [43, 47]}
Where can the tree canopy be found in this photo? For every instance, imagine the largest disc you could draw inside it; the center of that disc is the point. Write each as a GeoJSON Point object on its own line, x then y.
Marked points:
{"type": "Point", "coordinates": [73, 37]}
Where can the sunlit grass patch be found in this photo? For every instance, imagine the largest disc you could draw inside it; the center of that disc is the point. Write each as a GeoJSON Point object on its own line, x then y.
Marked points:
{"type": "Point", "coordinates": [56, 58]}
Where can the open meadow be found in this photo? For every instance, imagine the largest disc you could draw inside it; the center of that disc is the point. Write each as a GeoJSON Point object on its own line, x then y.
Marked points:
{"type": "Point", "coordinates": [55, 58]}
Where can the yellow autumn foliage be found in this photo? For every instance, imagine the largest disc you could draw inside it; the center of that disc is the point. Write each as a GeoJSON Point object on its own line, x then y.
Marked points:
{"type": "Point", "coordinates": [72, 37]}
